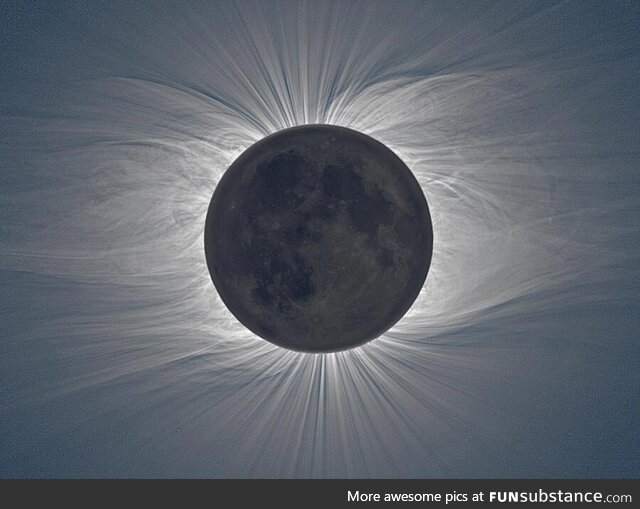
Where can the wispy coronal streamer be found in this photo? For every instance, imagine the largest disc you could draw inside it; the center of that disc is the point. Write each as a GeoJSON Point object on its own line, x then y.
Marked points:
{"type": "Point", "coordinates": [519, 357]}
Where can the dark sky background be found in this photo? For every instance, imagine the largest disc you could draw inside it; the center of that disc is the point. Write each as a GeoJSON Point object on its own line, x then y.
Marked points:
{"type": "Point", "coordinates": [519, 359]}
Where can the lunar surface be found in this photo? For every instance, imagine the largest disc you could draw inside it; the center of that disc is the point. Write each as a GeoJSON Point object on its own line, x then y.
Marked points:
{"type": "Point", "coordinates": [318, 238]}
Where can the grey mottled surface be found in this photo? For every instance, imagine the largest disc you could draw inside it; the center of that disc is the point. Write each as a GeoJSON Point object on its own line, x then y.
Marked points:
{"type": "Point", "coordinates": [318, 238]}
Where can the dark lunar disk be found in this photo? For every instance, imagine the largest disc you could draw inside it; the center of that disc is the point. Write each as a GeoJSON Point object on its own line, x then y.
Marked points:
{"type": "Point", "coordinates": [318, 238]}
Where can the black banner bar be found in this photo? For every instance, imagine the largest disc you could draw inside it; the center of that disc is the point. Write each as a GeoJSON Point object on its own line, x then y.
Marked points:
{"type": "Point", "coordinates": [329, 493]}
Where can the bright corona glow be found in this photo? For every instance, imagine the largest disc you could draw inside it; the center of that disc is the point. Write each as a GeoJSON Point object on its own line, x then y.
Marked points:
{"type": "Point", "coordinates": [122, 164]}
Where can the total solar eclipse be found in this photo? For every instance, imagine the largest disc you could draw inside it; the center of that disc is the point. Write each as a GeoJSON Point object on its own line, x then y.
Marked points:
{"type": "Point", "coordinates": [318, 238]}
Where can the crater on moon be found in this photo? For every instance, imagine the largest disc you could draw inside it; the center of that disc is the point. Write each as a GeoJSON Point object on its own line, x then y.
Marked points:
{"type": "Point", "coordinates": [318, 238]}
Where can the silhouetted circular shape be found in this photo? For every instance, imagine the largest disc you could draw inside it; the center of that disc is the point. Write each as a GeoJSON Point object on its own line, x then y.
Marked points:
{"type": "Point", "coordinates": [318, 238]}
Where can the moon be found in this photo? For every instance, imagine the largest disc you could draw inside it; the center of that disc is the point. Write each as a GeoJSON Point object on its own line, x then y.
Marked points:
{"type": "Point", "coordinates": [318, 238]}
